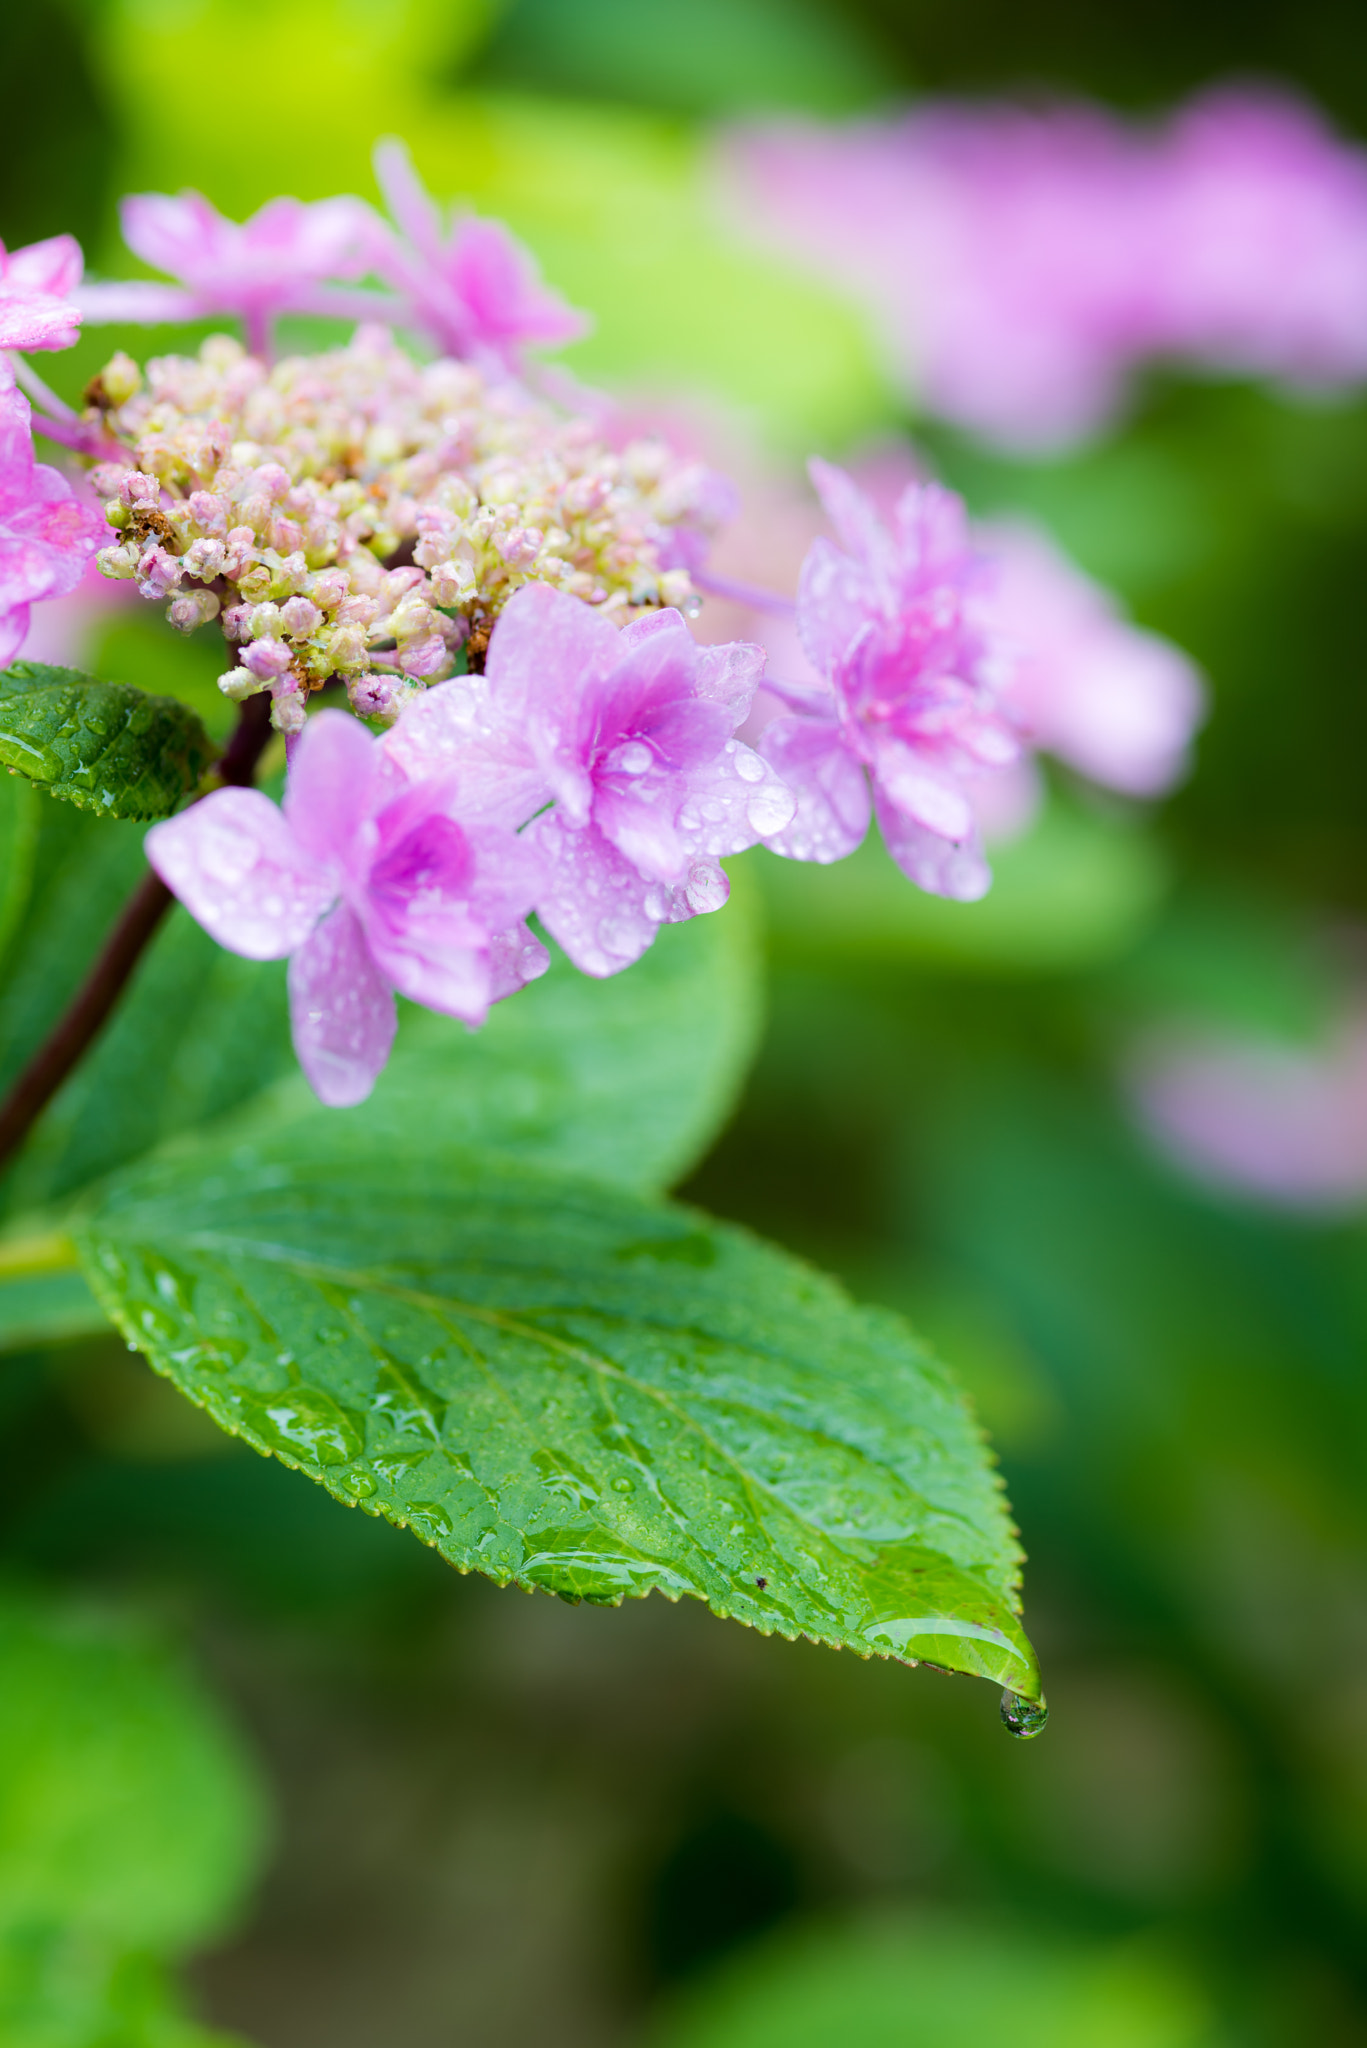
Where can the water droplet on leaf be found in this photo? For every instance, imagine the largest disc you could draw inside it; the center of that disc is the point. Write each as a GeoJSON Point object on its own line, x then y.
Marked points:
{"type": "Point", "coordinates": [1023, 1718]}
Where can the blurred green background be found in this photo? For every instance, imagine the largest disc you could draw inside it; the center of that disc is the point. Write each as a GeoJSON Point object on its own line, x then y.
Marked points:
{"type": "Point", "coordinates": [497, 1820]}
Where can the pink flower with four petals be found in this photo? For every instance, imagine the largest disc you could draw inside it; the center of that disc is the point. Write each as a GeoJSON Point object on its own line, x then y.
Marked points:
{"type": "Point", "coordinates": [368, 883]}
{"type": "Point", "coordinates": [631, 734]}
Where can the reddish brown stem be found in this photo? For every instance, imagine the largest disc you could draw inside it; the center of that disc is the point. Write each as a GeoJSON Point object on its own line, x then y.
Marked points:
{"type": "Point", "coordinates": [89, 1010]}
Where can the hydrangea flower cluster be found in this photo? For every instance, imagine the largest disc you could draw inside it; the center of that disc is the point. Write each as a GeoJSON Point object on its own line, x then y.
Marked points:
{"type": "Point", "coordinates": [1020, 264]}
{"type": "Point", "coordinates": [361, 516]}
{"type": "Point", "coordinates": [500, 586]}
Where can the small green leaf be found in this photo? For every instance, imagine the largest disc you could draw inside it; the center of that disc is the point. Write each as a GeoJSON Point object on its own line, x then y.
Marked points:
{"type": "Point", "coordinates": [564, 1386]}
{"type": "Point", "coordinates": [102, 746]}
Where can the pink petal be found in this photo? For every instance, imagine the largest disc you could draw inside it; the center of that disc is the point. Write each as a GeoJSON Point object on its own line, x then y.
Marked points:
{"type": "Point", "coordinates": [929, 798]}
{"type": "Point", "coordinates": [940, 866]}
{"type": "Point", "coordinates": [515, 958]}
{"type": "Point", "coordinates": [342, 1014]}
{"type": "Point", "coordinates": [52, 266]}
{"type": "Point", "coordinates": [184, 236]}
{"type": "Point", "coordinates": [36, 320]}
{"type": "Point", "coordinates": [545, 651]}
{"type": "Point", "coordinates": [850, 511]}
{"type": "Point", "coordinates": [642, 832]}
{"type": "Point", "coordinates": [151, 304]}
{"type": "Point", "coordinates": [235, 864]}
{"type": "Point", "coordinates": [407, 198]}
{"type": "Point", "coordinates": [457, 733]}
{"type": "Point", "coordinates": [333, 783]}
{"type": "Point", "coordinates": [828, 782]}
{"type": "Point", "coordinates": [594, 903]}
{"type": "Point", "coordinates": [835, 600]}
{"type": "Point", "coordinates": [730, 675]}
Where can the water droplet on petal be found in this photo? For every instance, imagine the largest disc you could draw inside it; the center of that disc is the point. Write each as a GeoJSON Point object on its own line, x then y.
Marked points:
{"type": "Point", "coordinates": [749, 767]}
{"type": "Point", "coordinates": [769, 809]}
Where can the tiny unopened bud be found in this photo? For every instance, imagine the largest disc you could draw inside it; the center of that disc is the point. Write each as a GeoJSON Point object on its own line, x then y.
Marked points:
{"type": "Point", "coordinates": [268, 659]}
{"type": "Point", "coordinates": [520, 548]}
{"type": "Point", "coordinates": [208, 512]}
{"type": "Point", "coordinates": [120, 563]}
{"type": "Point", "coordinates": [140, 493]}
{"type": "Point", "coordinates": [300, 618]}
{"type": "Point", "coordinates": [106, 478]}
{"type": "Point", "coordinates": [196, 608]}
{"type": "Point", "coordinates": [238, 683]}
{"type": "Point", "coordinates": [381, 696]}
{"type": "Point", "coordinates": [204, 559]}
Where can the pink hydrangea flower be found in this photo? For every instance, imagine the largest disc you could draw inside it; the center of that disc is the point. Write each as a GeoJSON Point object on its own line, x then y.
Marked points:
{"type": "Point", "coordinates": [1262, 217]}
{"type": "Point", "coordinates": [48, 530]}
{"type": "Point", "coordinates": [1020, 264]}
{"type": "Point", "coordinates": [277, 262]}
{"type": "Point", "coordinates": [35, 286]}
{"type": "Point", "coordinates": [475, 290]}
{"type": "Point", "coordinates": [1285, 1124]}
{"type": "Point", "coordinates": [369, 884]}
{"type": "Point", "coordinates": [631, 735]}
{"type": "Point", "coordinates": [899, 625]}
{"type": "Point", "coordinates": [1117, 703]}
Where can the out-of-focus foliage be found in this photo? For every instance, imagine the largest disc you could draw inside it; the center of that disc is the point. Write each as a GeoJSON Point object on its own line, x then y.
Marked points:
{"type": "Point", "coordinates": [130, 1824]}
{"type": "Point", "coordinates": [956, 1982]}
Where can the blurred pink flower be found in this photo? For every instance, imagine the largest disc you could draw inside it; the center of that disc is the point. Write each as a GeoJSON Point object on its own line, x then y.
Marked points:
{"type": "Point", "coordinates": [49, 529]}
{"type": "Point", "coordinates": [1285, 1125]}
{"type": "Point", "coordinates": [1117, 703]}
{"type": "Point", "coordinates": [630, 734]}
{"type": "Point", "coordinates": [474, 290]}
{"type": "Point", "coordinates": [35, 286]}
{"type": "Point", "coordinates": [1020, 265]}
{"type": "Point", "coordinates": [279, 261]}
{"type": "Point", "coordinates": [368, 884]}
{"type": "Point", "coordinates": [899, 624]}
{"type": "Point", "coordinates": [1263, 224]}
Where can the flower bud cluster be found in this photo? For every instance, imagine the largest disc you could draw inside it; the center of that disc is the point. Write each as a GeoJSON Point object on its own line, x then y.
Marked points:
{"type": "Point", "coordinates": [360, 516]}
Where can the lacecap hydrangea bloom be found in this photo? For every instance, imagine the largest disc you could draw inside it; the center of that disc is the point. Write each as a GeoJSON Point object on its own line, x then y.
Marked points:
{"type": "Point", "coordinates": [359, 516]}
{"type": "Point", "coordinates": [499, 584]}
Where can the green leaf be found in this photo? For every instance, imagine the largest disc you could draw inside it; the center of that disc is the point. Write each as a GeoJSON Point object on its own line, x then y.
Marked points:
{"type": "Point", "coordinates": [626, 1080]}
{"type": "Point", "coordinates": [128, 1810]}
{"type": "Point", "coordinates": [561, 1385]}
{"type": "Point", "coordinates": [104, 747]}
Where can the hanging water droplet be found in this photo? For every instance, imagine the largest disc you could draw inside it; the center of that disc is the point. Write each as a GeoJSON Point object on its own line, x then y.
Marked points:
{"type": "Point", "coordinates": [1023, 1718]}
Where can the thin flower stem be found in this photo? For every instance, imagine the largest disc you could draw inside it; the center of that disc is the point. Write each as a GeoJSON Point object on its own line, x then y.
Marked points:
{"type": "Point", "coordinates": [748, 594]}
{"type": "Point", "coordinates": [77, 435]}
{"type": "Point", "coordinates": [90, 1008]}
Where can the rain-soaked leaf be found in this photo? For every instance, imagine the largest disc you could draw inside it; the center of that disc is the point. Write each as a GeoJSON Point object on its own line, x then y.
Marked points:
{"type": "Point", "coordinates": [105, 747]}
{"type": "Point", "coordinates": [564, 1386]}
